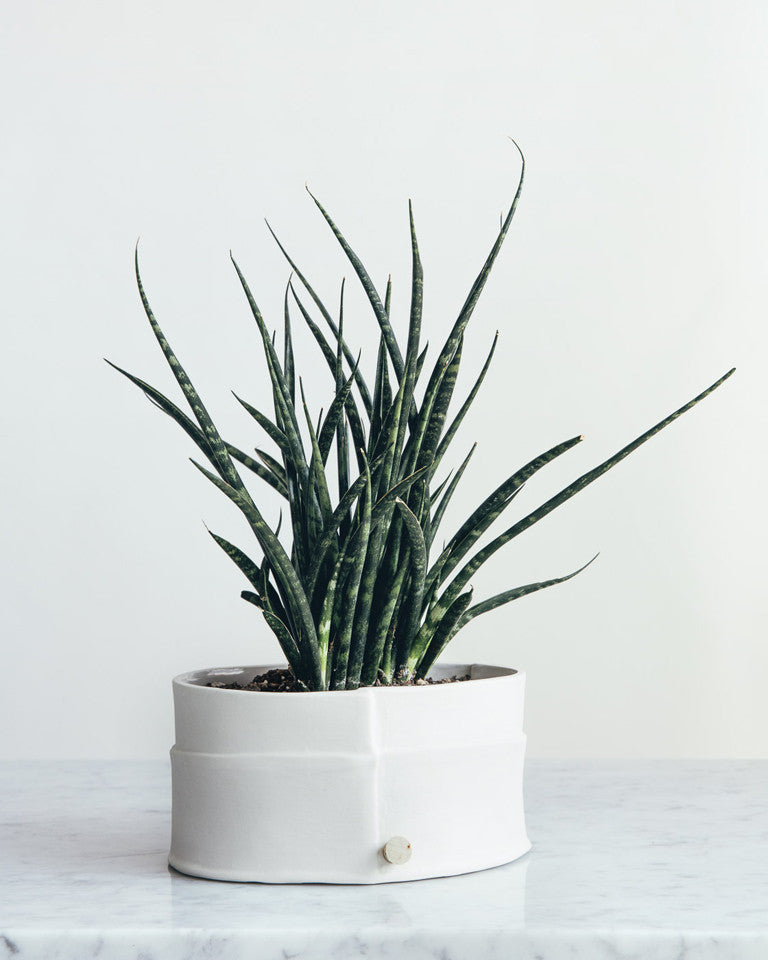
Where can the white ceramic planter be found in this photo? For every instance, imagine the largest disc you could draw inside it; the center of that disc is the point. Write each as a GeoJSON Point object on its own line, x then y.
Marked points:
{"type": "Point", "coordinates": [312, 787]}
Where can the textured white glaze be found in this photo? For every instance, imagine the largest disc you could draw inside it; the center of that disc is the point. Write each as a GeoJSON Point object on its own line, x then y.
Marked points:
{"type": "Point", "coordinates": [648, 860]}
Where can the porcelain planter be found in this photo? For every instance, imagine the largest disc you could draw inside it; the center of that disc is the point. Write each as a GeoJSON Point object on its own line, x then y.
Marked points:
{"type": "Point", "coordinates": [363, 786]}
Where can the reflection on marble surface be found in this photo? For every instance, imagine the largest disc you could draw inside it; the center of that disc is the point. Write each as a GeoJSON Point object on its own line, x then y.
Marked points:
{"type": "Point", "coordinates": [645, 859]}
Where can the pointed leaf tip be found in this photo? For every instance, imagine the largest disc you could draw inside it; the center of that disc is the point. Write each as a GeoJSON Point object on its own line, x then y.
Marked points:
{"type": "Point", "coordinates": [518, 148]}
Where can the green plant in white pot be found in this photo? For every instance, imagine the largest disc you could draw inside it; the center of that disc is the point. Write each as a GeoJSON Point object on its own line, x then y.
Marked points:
{"type": "Point", "coordinates": [351, 764]}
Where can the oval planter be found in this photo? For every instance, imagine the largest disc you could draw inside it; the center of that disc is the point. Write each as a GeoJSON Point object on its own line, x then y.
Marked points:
{"type": "Point", "coordinates": [362, 786]}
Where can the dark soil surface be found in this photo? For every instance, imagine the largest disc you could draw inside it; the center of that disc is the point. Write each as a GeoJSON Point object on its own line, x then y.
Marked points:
{"type": "Point", "coordinates": [283, 681]}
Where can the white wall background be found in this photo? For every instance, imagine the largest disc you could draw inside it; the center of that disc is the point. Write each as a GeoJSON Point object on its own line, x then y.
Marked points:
{"type": "Point", "coordinates": [633, 277]}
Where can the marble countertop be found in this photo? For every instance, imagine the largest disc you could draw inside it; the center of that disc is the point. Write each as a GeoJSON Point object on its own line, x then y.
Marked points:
{"type": "Point", "coordinates": [648, 860]}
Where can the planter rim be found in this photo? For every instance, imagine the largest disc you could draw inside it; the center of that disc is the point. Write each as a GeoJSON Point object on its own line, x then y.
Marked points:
{"type": "Point", "coordinates": [192, 678]}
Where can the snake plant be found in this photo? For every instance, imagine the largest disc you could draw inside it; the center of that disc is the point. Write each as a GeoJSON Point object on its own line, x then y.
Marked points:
{"type": "Point", "coordinates": [357, 598]}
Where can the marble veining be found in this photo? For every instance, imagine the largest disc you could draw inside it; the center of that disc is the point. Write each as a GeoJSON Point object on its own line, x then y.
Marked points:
{"type": "Point", "coordinates": [632, 860]}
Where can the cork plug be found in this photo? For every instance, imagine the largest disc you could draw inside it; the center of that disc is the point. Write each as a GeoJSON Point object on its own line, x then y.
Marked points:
{"type": "Point", "coordinates": [397, 850]}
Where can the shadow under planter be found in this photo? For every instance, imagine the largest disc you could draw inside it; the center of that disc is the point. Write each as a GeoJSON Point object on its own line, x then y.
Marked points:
{"type": "Point", "coordinates": [374, 785]}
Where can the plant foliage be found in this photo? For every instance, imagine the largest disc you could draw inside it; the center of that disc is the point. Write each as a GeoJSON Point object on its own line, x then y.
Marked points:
{"type": "Point", "coordinates": [356, 600]}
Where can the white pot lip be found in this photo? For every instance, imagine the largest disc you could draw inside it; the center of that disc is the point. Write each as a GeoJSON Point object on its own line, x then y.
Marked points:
{"type": "Point", "coordinates": [192, 680]}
